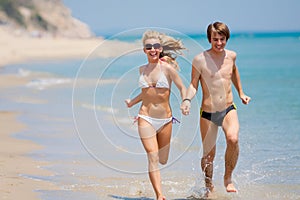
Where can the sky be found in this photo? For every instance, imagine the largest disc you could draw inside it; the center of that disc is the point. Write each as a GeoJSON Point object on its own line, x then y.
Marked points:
{"type": "Point", "coordinates": [188, 16]}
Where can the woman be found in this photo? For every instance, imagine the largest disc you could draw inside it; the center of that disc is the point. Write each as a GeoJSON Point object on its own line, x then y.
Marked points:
{"type": "Point", "coordinates": [155, 115]}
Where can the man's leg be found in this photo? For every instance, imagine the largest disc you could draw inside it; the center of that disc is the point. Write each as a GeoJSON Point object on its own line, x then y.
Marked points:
{"type": "Point", "coordinates": [209, 133]}
{"type": "Point", "coordinates": [231, 130]}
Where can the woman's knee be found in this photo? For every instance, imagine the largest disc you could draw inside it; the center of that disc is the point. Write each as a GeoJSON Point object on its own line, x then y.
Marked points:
{"type": "Point", "coordinates": [164, 154]}
{"type": "Point", "coordinates": [153, 158]}
{"type": "Point", "coordinates": [163, 160]}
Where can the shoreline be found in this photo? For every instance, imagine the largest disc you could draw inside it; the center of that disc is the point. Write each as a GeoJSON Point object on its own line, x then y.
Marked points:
{"type": "Point", "coordinates": [14, 162]}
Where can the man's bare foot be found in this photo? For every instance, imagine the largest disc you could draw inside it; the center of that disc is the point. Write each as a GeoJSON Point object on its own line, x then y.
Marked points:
{"type": "Point", "coordinates": [209, 191]}
{"type": "Point", "coordinates": [203, 193]}
{"type": "Point", "coordinates": [161, 198]}
{"type": "Point", "coordinates": [209, 185]}
{"type": "Point", "coordinates": [208, 194]}
{"type": "Point", "coordinates": [229, 186]}
{"type": "Point", "coordinates": [211, 188]}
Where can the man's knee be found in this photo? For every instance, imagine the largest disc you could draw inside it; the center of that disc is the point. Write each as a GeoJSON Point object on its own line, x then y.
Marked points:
{"type": "Point", "coordinates": [232, 140]}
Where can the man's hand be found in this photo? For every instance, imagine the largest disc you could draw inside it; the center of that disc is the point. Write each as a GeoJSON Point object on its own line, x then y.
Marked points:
{"type": "Point", "coordinates": [245, 99]}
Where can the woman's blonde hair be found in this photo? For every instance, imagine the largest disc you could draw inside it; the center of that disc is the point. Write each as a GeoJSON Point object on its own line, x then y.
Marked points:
{"type": "Point", "coordinates": [171, 46]}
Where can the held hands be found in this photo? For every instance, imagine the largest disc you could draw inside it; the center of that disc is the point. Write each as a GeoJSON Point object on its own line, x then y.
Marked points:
{"type": "Point", "coordinates": [185, 106]}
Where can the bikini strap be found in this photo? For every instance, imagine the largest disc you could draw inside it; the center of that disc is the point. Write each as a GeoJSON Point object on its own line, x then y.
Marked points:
{"type": "Point", "coordinates": [135, 119]}
{"type": "Point", "coordinates": [174, 120]}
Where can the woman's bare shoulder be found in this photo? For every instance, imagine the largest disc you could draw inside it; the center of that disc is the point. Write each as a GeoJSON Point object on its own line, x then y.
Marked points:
{"type": "Point", "coordinates": [142, 68]}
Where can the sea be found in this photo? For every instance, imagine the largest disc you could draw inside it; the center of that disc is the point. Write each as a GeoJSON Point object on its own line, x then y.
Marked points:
{"type": "Point", "coordinates": [75, 109]}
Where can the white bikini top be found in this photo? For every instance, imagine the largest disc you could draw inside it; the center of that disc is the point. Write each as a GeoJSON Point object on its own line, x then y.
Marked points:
{"type": "Point", "coordinates": [162, 81]}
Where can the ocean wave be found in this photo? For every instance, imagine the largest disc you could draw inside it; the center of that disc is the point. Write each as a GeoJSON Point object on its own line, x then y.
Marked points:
{"type": "Point", "coordinates": [100, 108]}
{"type": "Point", "coordinates": [23, 72]}
{"type": "Point", "coordinates": [44, 83]}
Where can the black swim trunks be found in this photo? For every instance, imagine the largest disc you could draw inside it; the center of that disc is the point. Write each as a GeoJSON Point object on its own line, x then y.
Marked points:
{"type": "Point", "coordinates": [217, 117]}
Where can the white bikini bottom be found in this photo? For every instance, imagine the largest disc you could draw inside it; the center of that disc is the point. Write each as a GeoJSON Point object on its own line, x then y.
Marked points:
{"type": "Point", "coordinates": [155, 122]}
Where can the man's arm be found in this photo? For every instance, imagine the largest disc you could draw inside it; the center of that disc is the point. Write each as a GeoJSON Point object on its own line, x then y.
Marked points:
{"type": "Point", "coordinates": [193, 87]}
{"type": "Point", "coordinates": [236, 80]}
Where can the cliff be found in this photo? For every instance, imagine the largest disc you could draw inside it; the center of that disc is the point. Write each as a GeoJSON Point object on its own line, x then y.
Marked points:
{"type": "Point", "coordinates": [41, 18]}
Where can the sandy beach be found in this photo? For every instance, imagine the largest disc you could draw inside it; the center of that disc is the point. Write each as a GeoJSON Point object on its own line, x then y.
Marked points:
{"type": "Point", "coordinates": [21, 48]}
{"type": "Point", "coordinates": [14, 162]}
{"type": "Point", "coordinates": [18, 49]}
{"type": "Point", "coordinates": [13, 159]}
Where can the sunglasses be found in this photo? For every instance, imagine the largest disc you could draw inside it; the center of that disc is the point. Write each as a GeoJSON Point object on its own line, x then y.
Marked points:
{"type": "Point", "coordinates": [155, 46]}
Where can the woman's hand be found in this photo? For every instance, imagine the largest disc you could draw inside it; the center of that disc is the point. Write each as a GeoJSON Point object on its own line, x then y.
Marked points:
{"type": "Point", "coordinates": [128, 102]}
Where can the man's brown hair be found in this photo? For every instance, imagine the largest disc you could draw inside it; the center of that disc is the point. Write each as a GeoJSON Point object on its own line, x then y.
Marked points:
{"type": "Point", "coordinates": [219, 28]}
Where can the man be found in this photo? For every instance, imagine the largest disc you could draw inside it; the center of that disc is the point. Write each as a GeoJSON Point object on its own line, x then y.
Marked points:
{"type": "Point", "coordinates": [215, 69]}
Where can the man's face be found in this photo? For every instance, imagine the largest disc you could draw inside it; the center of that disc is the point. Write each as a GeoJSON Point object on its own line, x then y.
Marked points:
{"type": "Point", "coordinates": [218, 42]}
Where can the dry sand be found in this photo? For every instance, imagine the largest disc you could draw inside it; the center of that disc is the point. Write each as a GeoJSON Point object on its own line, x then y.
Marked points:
{"type": "Point", "coordinates": [18, 49]}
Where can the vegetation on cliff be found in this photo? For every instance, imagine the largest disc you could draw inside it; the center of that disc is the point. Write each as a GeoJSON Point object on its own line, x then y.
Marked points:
{"type": "Point", "coordinates": [42, 16]}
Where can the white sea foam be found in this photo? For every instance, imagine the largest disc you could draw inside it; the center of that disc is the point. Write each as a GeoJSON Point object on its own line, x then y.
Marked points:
{"type": "Point", "coordinates": [44, 83]}
{"type": "Point", "coordinates": [100, 108]}
{"type": "Point", "coordinates": [23, 72]}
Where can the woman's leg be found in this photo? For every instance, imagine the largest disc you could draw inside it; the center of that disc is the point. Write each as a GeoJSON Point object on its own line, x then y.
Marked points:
{"type": "Point", "coordinates": [149, 139]}
{"type": "Point", "coordinates": [163, 139]}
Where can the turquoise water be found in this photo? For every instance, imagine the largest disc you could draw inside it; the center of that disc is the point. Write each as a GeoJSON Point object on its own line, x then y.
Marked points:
{"type": "Point", "coordinates": [76, 110]}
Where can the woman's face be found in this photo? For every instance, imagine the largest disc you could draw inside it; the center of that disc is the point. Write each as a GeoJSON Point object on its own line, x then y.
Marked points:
{"type": "Point", "coordinates": [152, 48]}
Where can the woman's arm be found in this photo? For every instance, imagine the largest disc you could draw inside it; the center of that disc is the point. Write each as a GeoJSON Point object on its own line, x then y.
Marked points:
{"type": "Point", "coordinates": [135, 100]}
{"type": "Point", "coordinates": [138, 98]}
{"type": "Point", "coordinates": [178, 82]}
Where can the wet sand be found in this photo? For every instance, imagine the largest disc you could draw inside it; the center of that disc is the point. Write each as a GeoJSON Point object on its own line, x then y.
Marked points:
{"type": "Point", "coordinates": [14, 162]}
